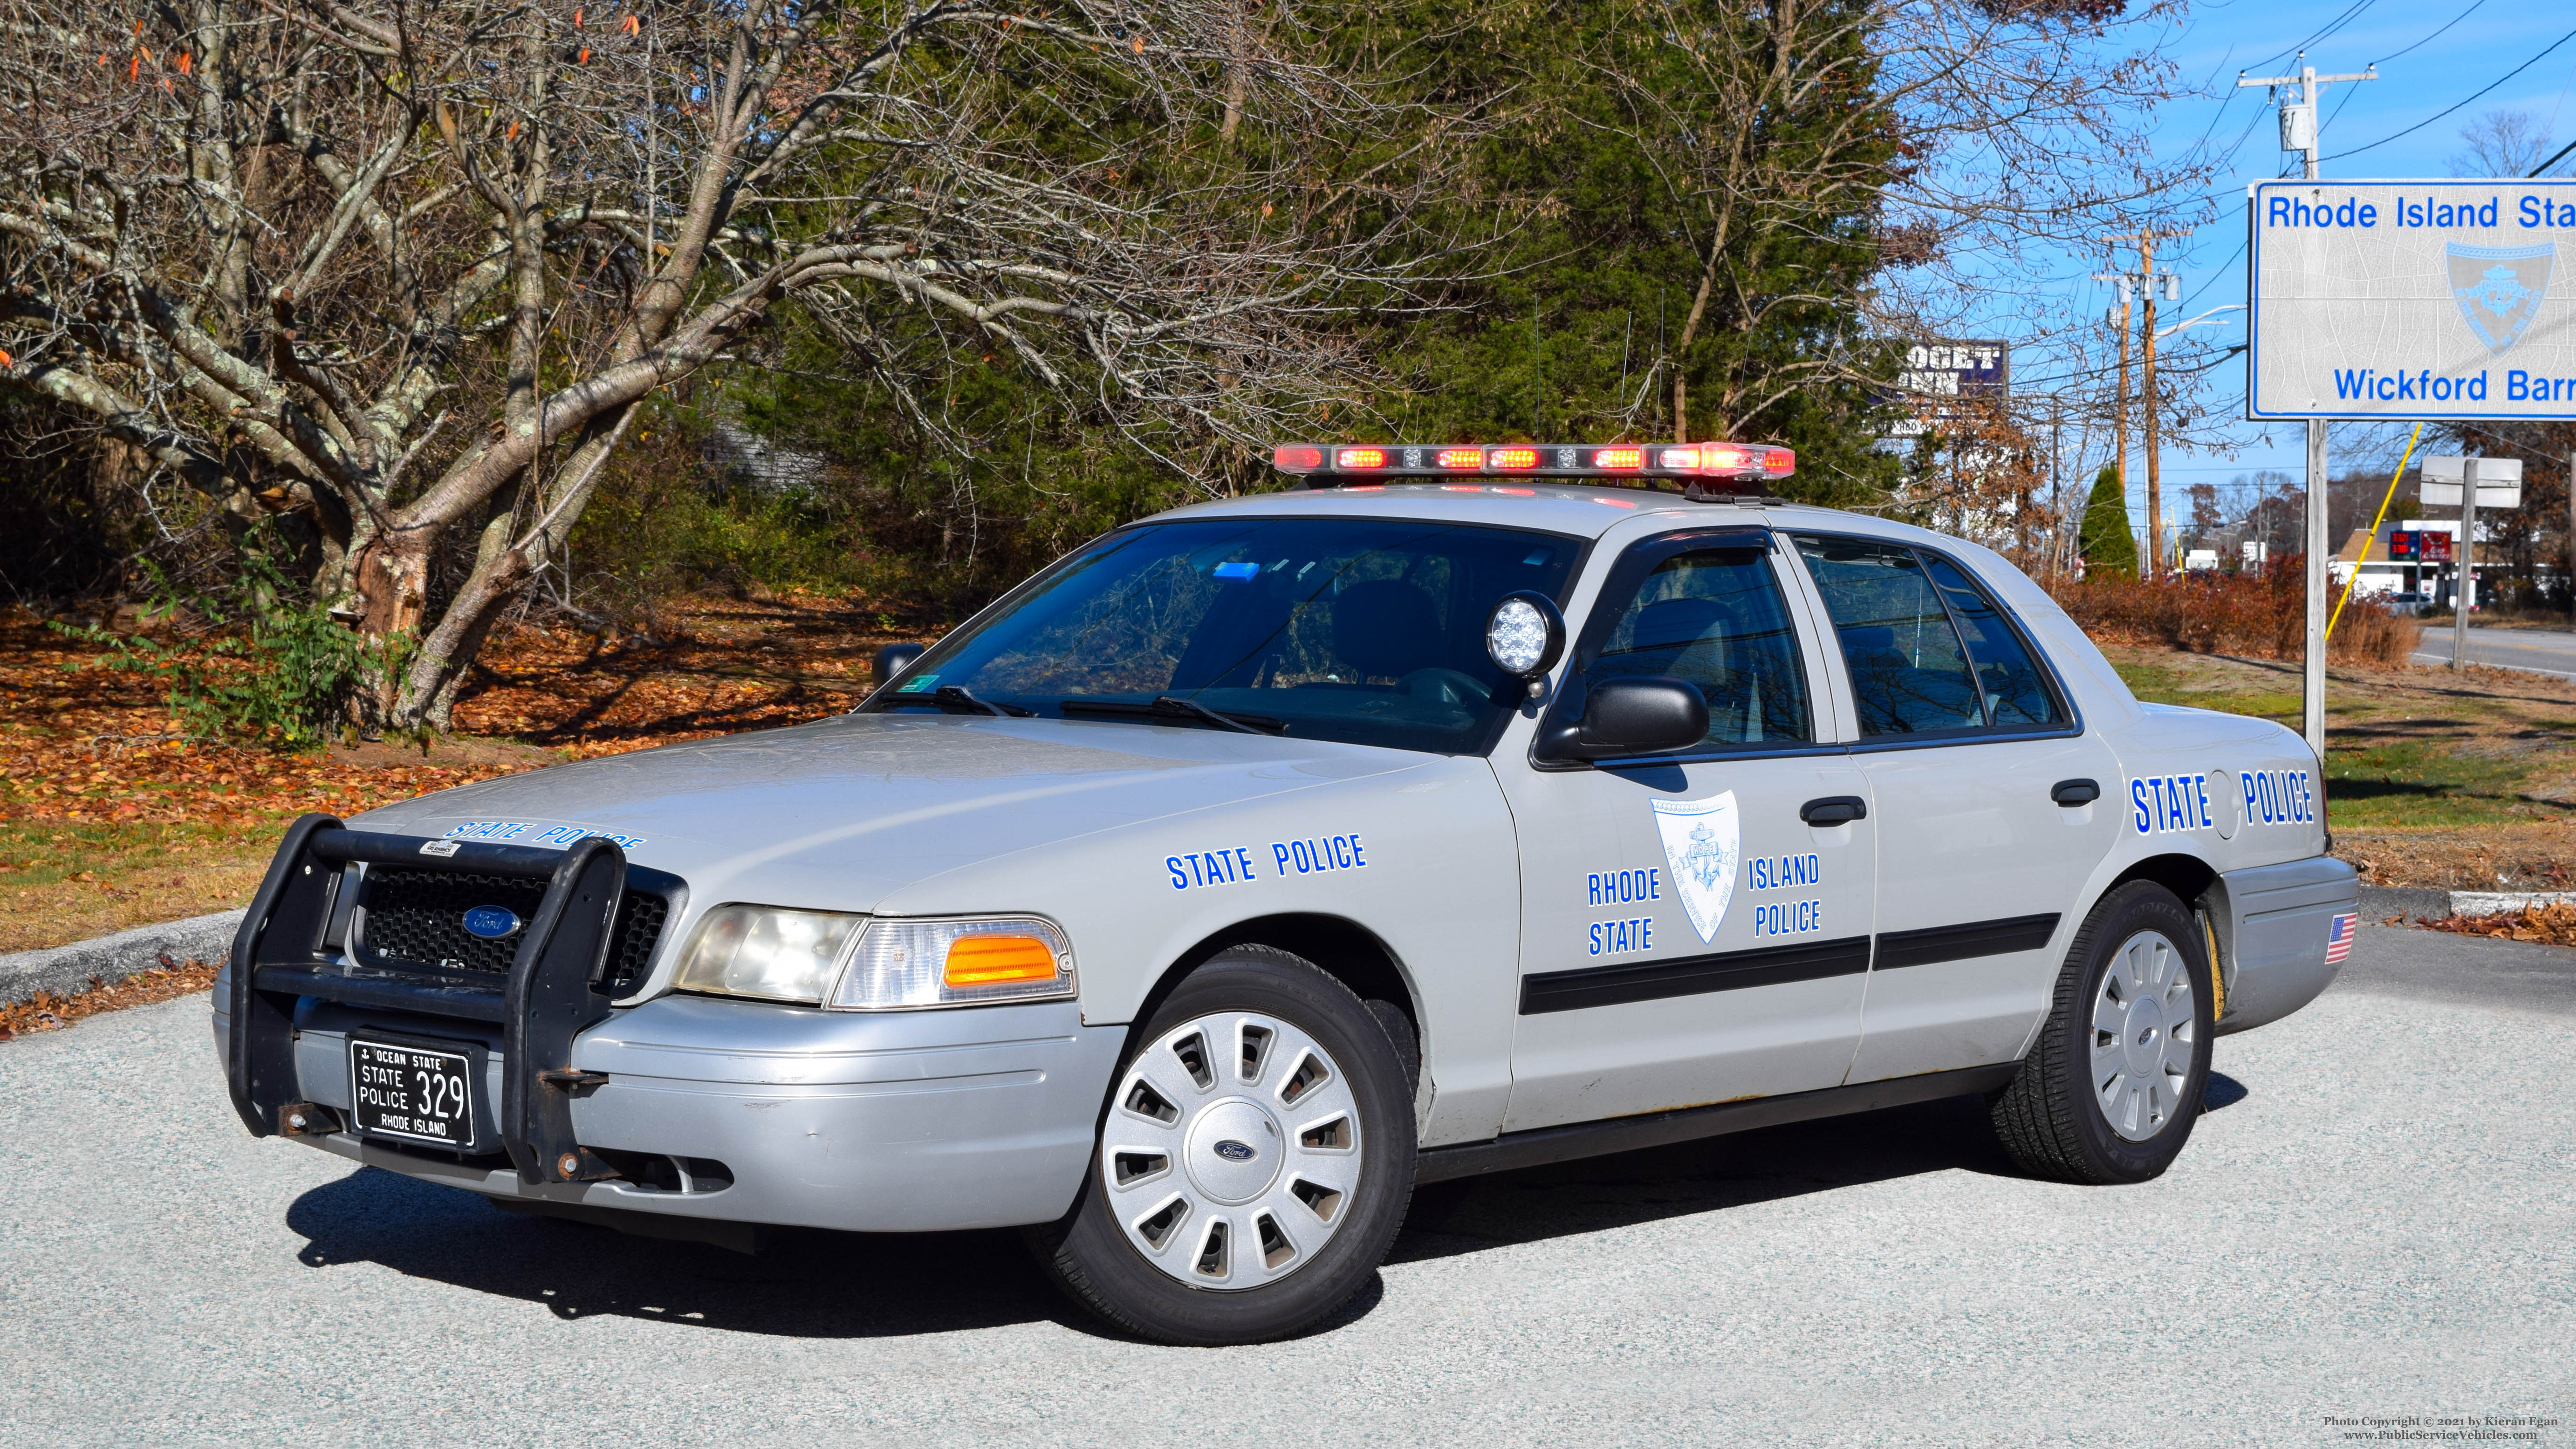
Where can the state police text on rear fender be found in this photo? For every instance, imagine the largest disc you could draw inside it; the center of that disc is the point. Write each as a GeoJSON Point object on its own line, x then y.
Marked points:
{"type": "Point", "coordinates": [2410, 300]}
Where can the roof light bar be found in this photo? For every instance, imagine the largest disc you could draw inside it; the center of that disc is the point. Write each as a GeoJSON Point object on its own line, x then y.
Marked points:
{"type": "Point", "coordinates": [1322, 464]}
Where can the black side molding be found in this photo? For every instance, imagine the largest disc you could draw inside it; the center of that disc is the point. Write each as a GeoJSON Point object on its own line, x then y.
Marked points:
{"type": "Point", "coordinates": [1547, 991]}
{"type": "Point", "coordinates": [1686, 1124]}
{"type": "Point", "coordinates": [1958, 943]}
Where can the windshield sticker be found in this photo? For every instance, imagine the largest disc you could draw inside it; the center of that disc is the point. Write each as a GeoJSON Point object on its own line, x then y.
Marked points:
{"type": "Point", "coordinates": [2161, 804]}
{"type": "Point", "coordinates": [1619, 938]}
{"type": "Point", "coordinates": [1238, 570]}
{"type": "Point", "coordinates": [1702, 841]}
{"type": "Point", "coordinates": [1315, 855]}
{"type": "Point", "coordinates": [1210, 868]}
{"type": "Point", "coordinates": [558, 836]}
{"type": "Point", "coordinates": [920, 684]}
{"type": "Point", "coordinates": [2278, 797]}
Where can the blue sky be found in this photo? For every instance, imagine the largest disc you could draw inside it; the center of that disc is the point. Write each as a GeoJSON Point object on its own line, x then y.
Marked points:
{"type": "Point", "coordinates": [2484, 41]}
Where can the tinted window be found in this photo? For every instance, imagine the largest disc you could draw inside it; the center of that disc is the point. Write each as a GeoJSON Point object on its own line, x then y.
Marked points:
{"type": "Point", "coordinates": [1715, 618]}
{"type": "Point", "coordinates": [2015, 693]}
{"type": "Point", "coordinates": [1909, 674]}
{"type": "Point", "coordinates": [1366, 631]}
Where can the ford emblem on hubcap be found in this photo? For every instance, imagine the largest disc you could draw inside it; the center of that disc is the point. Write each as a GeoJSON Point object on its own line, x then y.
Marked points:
{"type": "Point", "coordinates": [492, 922]}
{"type": "Point", "coordinates": [1233, 1151]}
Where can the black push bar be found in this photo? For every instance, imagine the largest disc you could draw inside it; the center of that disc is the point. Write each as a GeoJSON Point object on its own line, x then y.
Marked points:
{"type": "Point", "coordinates": [551, 994]}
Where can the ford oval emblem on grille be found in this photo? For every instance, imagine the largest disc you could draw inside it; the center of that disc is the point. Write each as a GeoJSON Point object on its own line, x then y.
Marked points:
{"type": "Point", "coordinates": [1233, 1151]}
{"type": "Point", "coordinates": [492, 923]}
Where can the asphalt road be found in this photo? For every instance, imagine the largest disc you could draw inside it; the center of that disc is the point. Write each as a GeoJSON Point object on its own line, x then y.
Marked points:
{"type": "Point", "coordinates": [2375, 1219]}
{"type": "Point", "coordinates": [2537, 650]}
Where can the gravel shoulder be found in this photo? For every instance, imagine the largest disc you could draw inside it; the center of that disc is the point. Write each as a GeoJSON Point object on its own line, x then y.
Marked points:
{"type": "Point", "coordinates": [2373, 1220]}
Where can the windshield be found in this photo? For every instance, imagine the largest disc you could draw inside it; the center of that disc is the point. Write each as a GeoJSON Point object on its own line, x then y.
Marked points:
{"type": "Point", "coordinates": [1367, 631]}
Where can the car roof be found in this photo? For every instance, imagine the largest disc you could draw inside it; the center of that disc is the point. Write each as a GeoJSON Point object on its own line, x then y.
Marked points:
{"type": "Point", "coordinates": [1552, 506]}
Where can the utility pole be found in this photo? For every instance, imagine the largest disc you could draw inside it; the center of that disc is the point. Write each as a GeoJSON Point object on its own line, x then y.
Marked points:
{"type": "Point", "coordinates": [2171, 283]}
{"type": "Point", "coordinates": [2468, 566]}
{"type": "Point", "coordinates": [2299, 133]}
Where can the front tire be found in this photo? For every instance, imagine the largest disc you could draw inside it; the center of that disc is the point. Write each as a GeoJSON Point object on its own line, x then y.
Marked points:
{"type": "Point", "coordinates": [2110, 1091]}
{"type": "Point", "coordinates": [1254, 1161]}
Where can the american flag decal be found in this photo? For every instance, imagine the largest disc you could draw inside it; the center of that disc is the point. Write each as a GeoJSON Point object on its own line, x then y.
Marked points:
{"type": "Point", "coordinates": [2339, 939]}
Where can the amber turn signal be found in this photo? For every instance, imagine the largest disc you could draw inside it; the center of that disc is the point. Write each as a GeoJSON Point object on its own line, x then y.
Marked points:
{"type": "Point", "coordinates": [998, 960]}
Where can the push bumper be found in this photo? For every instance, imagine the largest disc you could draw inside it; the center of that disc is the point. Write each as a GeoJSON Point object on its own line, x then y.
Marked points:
{"type": "Point", "coordinates": [2276, 927]}
{"type": "Point", "coordinates": [716, 1109]}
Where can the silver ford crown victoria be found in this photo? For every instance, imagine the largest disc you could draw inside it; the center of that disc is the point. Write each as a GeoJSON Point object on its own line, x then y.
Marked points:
{"type": "Point", "coordinates": [1465, 809]}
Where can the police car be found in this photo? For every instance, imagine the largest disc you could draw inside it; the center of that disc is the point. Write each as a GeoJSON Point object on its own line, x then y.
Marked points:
{"type": "Point", "coordinates": [1462, 809]}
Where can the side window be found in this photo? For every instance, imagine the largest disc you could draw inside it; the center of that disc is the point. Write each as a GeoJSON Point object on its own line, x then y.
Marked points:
{"type": "Point", "coordinates": [1908, 672]}
{"type": "Point", "coordinates": [2015, 693]}
{"type": "Point", "coordinates": [1900, 617]}
{"type": "Point", "coordinates": [1715, 618]}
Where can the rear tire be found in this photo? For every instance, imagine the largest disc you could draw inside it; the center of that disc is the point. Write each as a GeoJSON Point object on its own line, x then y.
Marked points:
{"type": "Point", "coordinates": [2110, 1091]}
{"type": "Point", "coordinates": [1254, 1162]}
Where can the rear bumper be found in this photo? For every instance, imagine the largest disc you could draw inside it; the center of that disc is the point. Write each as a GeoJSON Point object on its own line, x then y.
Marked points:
{"type": "Point", "coordinates": [2275, 926]}
{"type": "Point", "coordinates": [873, 1122]}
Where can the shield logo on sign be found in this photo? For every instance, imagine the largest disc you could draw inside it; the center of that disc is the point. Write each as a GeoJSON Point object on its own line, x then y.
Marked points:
{"type": "Point", "coordinates": [1702, 842]}
{"type": "Point", "coordinates": [2500, 289]}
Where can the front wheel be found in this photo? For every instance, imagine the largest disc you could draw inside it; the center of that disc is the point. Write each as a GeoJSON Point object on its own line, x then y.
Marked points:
{"type": "Point", "coordinates": [2110, 1091]}
{"type": "Point", "coordinates": [1254, 1161]}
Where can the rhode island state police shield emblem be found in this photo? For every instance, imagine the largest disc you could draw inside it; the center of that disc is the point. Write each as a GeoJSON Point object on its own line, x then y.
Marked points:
{"type": "Point", "coordinates": [1703, 839]}
{"type": "Point", "coordinates": [2500, 289]}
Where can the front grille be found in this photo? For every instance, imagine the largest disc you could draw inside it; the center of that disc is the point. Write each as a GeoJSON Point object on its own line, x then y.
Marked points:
{"type": "Point", "coordinates": [417, 917]}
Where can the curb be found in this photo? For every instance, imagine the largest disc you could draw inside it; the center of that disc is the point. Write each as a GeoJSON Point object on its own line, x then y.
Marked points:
{"type": "Point", "coordinates": [67, 970]}
{"type": "Point", "coordinates": [2381, 902]}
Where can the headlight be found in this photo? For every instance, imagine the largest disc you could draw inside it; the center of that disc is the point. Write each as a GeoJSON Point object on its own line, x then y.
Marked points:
{"type": "Point", "coordinates": [902, 964]}
{"type": "Point", "coordinates": [764, 951]}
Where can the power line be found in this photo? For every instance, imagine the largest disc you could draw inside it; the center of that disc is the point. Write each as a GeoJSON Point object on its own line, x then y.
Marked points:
{"type": "Point", "coordinates": [2436, 35]}
{"type": "Point", "coordinates": [2437, 115]}
{"type": "Point", "coordinates": [2338, 23]}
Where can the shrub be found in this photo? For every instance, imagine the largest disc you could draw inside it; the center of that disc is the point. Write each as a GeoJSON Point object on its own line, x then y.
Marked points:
{"type": "Point", "coordinates": [259, 666]}
{"type": "Point", "coordinates": [2234, 614]}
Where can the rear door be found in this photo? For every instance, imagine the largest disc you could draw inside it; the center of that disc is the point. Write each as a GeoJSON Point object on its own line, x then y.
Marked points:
{"type": "Point", "coordinates": [1686, 938]}
{"type": "Point", "coordinates": [1963, 735]}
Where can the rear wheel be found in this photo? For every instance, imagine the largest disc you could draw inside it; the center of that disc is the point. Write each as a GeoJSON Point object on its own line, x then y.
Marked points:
{"type": "Point", "coordinates": [2111, 1089]}
{"type": "Point", "coordinates": [1254, 1161]}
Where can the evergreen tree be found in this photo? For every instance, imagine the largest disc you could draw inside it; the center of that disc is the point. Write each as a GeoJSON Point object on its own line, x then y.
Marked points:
{"type": "Point", "coordinates": [2107, 544]}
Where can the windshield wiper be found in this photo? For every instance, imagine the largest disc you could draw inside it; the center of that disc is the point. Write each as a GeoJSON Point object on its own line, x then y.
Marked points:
{"type": "Point", "coordinates": [1172, 706]}
{"type": "Point", "coordinates": [958, 699]}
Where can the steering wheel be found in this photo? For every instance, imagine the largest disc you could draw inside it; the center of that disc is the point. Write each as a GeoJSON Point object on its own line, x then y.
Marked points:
{"type": "Point", "coordinates": [1447, 686]}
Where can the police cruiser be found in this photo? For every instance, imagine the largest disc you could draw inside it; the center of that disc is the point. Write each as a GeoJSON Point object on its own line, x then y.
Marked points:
{"type": "Point", "coordinates": [1463, 809]}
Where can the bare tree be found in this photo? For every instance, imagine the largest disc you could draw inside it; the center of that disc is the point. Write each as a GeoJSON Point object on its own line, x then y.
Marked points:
{"type": "Point", "coordinates": [2501, 143]}
{"type": "Point", "coordinates": [403, 272]}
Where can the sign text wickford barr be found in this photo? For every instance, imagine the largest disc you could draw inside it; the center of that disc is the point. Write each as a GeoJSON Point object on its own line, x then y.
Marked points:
{"type": "Point", "coordinates": [2412, 299]}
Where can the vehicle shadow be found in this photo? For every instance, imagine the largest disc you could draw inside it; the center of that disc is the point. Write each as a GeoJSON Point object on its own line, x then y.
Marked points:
{"type": "Point", "coordinates": [810, 1283]}
{"type": "Point", "coordinates": [1714, 1174]}
{"type": "Point", "coordinates": [804, 1283]}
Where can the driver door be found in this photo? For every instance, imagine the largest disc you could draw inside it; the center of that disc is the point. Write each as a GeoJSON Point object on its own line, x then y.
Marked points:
{"type": "Point", "coordinates": [1686, 937]}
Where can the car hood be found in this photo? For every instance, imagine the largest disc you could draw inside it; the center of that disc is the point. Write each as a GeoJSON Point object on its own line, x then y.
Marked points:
{"type": "Point", "coordinates": [842, 813]}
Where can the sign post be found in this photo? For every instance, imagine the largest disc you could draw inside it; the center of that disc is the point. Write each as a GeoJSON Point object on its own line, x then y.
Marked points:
{"type": "Point", "coordinates": [2471, 483]}
{"type": "Point", "coordinates": [2299, 132]}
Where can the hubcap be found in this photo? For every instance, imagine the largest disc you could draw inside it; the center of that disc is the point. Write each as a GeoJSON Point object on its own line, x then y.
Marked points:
{"type": "Point", "coordinates": [2144, 1026]}
{"type": "Point", "coordinates": [1232, 1151]}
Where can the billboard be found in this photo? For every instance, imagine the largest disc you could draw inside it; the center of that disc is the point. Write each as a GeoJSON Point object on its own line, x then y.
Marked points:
{"type": "Point", "coordinates": [2410, 300]}
{"type": "Point", "coordinates": [1938, 371]}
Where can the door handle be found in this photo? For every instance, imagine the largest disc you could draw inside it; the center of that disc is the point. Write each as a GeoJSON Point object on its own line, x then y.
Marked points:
{"type": "Point", "coordinates": [1834, 810]}
{"type": "Point", "coordinates": [2071, 793]}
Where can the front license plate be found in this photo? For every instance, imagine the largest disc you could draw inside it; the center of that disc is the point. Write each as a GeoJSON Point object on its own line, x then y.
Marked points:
{"type": "Point", "coordinates": [412, 1093]}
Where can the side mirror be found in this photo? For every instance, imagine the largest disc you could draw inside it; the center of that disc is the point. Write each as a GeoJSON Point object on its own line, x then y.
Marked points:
{"type": "Point", "coordinates": [1653, 714]}
{"type": "Point", "coordinates": [894, 659]}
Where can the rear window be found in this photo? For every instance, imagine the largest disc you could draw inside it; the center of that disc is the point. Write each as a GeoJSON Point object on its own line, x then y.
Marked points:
{"type": "Point", "coordinates": [1927, 650]}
